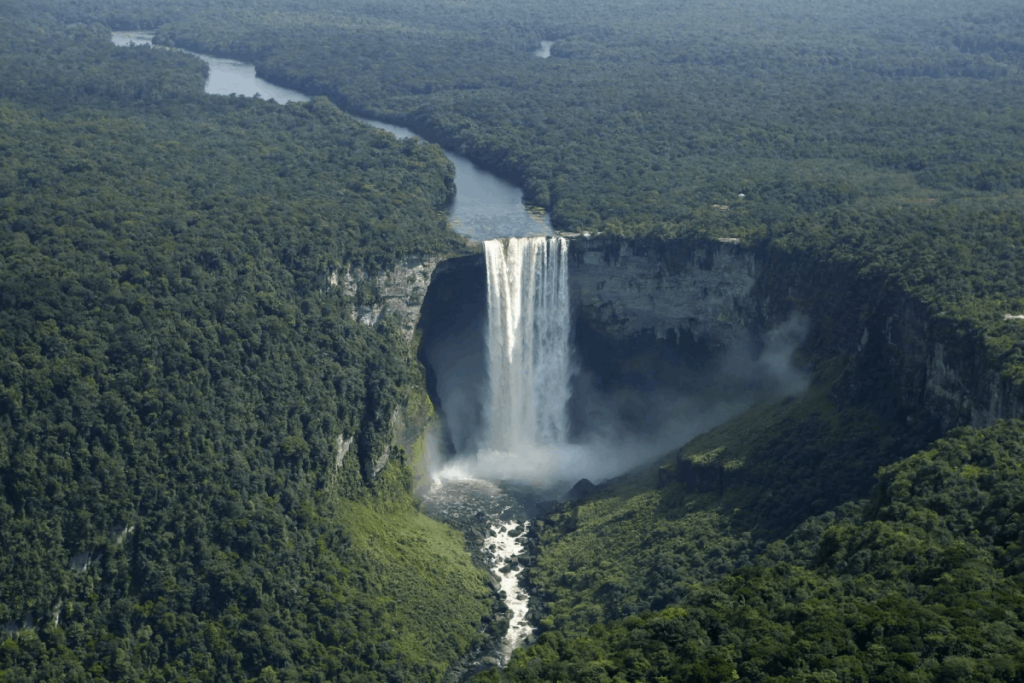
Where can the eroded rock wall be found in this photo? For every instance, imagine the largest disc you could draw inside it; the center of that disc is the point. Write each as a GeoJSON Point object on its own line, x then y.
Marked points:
{"type": "Point", "coordinates": [398, 291]}
{"type": "Point", "coordinates": [632, 296]}
{"type": "Point", "coordinates": [630, 288]}
{"type": "Point", "coordinates": [652, 315]}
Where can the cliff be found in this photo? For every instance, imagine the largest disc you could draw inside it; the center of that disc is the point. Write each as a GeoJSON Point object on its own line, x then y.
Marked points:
{"type": "Point", "coordinates": [398, 291]}
{"type": "Point", "coordinates": [655, 297]}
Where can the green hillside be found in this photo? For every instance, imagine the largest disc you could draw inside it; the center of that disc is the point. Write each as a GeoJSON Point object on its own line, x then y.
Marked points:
{"type": "Point", "coordinates": [922, 581]}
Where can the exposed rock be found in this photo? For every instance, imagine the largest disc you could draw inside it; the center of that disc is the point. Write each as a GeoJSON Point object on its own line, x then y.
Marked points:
{"type": "Point", "coordinates": [672, 290]}
{"type": "Point", "coordinates": [117, 536]}
{"type": "Point", "coordinates": [641, 305]}
{"type": "Point", "coordinates": [374, 457]}
{"type": "Point", "coordinates": [700, 476]}
{"type": "Point", "coordinates": [82, 561]}
{"type": "Point", "coordinates": [343, 447]}
{"type": "Point", "coordinates": [399, 291]}
{"type": "Point", "coordinates": [631, 297]}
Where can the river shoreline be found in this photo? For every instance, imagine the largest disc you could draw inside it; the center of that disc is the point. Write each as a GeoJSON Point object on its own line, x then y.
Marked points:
{"type": "Point", "coordinates": [487, 205]}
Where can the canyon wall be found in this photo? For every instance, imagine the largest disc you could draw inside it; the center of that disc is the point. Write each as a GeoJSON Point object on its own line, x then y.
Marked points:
{"type": "Point", "coordinates": [398, 293]}
{"type": "Point", "coordinates": [655, 316]}
{"type": "Point", "coordinates": [701, 296]}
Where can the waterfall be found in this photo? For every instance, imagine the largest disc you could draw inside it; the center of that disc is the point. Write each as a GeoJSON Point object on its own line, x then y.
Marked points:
{"type": "Point", "coordinates": [527, 341]}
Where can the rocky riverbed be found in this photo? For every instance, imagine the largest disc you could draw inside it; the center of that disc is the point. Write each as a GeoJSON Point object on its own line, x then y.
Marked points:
{"type": "Point", "coordinates": [495, 518]}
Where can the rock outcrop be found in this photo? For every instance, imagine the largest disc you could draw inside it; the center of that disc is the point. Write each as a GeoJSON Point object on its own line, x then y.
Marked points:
{"type": "Point", "coordinates": [398, 291]}
{"type": "Point", "coordinates": [665, 290]}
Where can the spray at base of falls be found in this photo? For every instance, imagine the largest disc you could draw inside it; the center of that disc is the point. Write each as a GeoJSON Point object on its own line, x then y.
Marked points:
{"type": "Point", "coordinates": [517, 438]}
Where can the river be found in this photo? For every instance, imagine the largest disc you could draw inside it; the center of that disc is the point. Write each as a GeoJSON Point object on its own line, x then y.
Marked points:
{"type": "Point", "coordinates": [485, 207]}
{"type": "Point", "coordinates": [493, 517]}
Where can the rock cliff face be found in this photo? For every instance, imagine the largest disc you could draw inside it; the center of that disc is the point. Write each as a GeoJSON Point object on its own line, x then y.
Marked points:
{"type": "Point", "coordinates": [399, 291]}
{"type": "Point", "coordinates": [698, 297]}
{"type": "Point", "coordinates": [630, 289]}
{"type": "Point", "coordinates": [452, 347]}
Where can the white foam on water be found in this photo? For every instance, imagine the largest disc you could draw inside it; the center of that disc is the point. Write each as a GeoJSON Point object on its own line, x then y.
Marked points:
{"type": "Point", "coordinates": [517, 600]}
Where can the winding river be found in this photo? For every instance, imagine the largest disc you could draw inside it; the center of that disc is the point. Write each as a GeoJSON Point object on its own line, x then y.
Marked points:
{"type": "Point", "coordinates": [486, 207]}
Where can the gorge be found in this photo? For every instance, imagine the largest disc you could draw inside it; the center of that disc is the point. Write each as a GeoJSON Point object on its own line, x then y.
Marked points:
{"type": "Point", "coordinates": [749, 414]}
{"type": "Point", "coordinates": [627, 298]}
{"type": "Point", "coordinates": [661, 316]}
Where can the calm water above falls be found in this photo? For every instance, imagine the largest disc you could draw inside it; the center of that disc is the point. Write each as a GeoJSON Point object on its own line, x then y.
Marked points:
{"type": "Point", "coordinates": [485, 207]}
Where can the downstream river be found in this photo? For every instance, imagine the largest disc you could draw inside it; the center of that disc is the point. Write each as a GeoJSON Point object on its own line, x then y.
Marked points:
{"type": "Point", "coordinates": [486, 207]}
{"type": "Point", "coordinates": [493, 519]}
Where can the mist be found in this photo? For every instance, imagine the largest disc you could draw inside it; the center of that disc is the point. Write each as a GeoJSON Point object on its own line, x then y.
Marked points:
{"type": "Point", "coordinates": [615, 428]}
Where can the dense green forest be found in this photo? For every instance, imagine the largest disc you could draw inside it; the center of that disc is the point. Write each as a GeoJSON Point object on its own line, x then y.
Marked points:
{"type": "Point", "coordinates": [176, 369]}
{"type": "Point", "coordinates": [176, 373]}
{"type": "Point", "coordinates": [922, 581]}
{"type": "Point", "coordinates": [652, 579]}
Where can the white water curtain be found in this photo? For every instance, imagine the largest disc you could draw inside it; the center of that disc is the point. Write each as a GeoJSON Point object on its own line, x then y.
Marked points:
{"type": "Point", "coordinates": [527, 341]}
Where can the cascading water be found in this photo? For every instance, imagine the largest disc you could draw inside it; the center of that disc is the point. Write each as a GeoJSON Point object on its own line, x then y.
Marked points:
{"type": "Point", "coordinates": [527, 342]}
{"type": "Point", "coordinates": [526, 418]}
{"type": "Point", "coordinates": [528, 370]}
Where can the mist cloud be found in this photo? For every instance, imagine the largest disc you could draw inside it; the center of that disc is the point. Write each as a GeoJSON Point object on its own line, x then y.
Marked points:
{"type": "Point", "coordinates": [624, 429]}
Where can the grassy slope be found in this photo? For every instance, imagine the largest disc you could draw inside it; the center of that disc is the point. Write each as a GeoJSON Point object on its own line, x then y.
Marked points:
{"type": "Point", "coordinates": [431, 597]}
